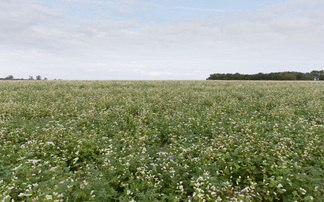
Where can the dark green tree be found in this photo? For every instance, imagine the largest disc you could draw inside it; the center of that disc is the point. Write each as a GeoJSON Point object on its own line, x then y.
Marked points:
{"type": "Point", "coordinates": [318, 75]}
{"type": "Point", "coordinates": [10, 77]}
{"type": "Point", "coordinates": [314, 75]}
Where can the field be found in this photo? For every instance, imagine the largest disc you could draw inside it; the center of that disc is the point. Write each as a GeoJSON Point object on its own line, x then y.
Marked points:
{"type": "Point", "coordinates": [161, 141]}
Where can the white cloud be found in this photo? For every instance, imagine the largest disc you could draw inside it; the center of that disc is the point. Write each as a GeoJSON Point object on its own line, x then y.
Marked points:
{"type": "Point", "coordinates": [195, 9]}
{"type": "Point", "coordinates": [52, 42]}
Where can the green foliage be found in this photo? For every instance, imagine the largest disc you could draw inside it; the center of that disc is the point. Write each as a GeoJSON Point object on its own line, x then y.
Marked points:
{"type": "Point", "coordinates": [318, 75]}
{"type": "Point", "coordinates": [314, 75]}
{"type": "Point", "coordinates": [10, 77]}
{"type": "Point", "coordinates": [161, 141]}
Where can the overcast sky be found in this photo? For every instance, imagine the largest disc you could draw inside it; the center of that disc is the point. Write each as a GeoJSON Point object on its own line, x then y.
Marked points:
{"type": "Point", "coordinates": [159, 39]}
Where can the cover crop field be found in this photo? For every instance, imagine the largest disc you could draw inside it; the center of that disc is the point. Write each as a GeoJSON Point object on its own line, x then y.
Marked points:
{"type": "Point", "coordinates": [161, 141]}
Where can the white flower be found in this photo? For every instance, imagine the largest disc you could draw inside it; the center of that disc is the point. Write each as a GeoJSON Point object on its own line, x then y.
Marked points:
{"type": "Point", "coordinates": [75, 160]}
{"type": "Point", "coordinates": [53, 168]}
{"type": "Point", "coordinates": [280, 185]}
{"type": "Point", "coordinates": [303, 191]}
{"type": "Point", "coordinates": [49, 197]}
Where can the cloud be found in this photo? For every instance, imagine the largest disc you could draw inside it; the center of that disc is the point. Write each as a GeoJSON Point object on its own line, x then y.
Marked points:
{"type": "Point", "coordinates": [53, 42]}
{"type": "Point", "coordinates": [195, 9]}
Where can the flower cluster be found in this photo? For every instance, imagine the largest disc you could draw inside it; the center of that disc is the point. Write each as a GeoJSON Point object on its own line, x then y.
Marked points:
{"type": "Point", "coordinates": [161, 140]}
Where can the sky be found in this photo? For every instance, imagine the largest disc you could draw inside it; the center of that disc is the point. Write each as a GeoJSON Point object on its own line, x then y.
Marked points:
{"type": "Point", "coordinates": [158, 39]}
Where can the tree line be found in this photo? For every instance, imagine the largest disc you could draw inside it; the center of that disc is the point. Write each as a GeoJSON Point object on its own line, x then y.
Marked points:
{"type": "Point", "coordinates": [11, 77]}
{"type": "Point", "coordinates": [314, 75]}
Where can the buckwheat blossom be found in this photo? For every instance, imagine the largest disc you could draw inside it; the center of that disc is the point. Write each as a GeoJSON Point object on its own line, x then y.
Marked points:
{"type": "Point", "coordinates": [53, 168]}
{"type": "Point", "coordinates": [303, 191]}
{"type": "Point", "coordinates": [49, 197]}
{"type": "Point", "coordinates": [7, 197]}
{"type": "Point", "coordinates": [125, 135]}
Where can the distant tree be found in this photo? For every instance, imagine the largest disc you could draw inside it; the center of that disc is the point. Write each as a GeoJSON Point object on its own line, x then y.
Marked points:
{"type": "Point", "coordinates": [321, 77]}
{"type": "Point", "coordinates": [318, 75]}
{"type": "Point", "coordinates": [314, 75]}
{"type": "Point", "coordinates": [237, 76]}
{"type": "Point", "coordinates": [10, 77]}
{"type": "Point", "coordinates": [299, 76]}
{"type": "Point", "coordinates": [259, 76]}
{"type": "Point", "coordinates": [38, 77]}
{"type": "Point", "coordinates": [288, 76]}
{"type": "Point", "coordinates": [31, 78]}
{"type": "Point", "coordinates": [45, 78]}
